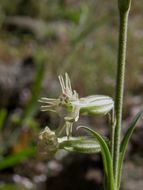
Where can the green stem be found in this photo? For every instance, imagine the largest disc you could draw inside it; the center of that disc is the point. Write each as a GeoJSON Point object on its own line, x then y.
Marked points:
{"type": "Point", "coordinates": [113, 123]}
{"type": "Point", "coordinates": [120, 85]}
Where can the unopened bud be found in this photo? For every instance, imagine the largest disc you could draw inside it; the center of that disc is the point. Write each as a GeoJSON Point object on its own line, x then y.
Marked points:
{"type": "Point", "coordinates": [124, 5]}
{"type": "Point", "coordinates": [48, 142]}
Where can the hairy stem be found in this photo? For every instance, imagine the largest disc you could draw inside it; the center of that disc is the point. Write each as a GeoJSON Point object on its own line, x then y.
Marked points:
{"type": "Point", "coordinates": [113, 123]}
{"type": "Point", "coordinates": [120, 86]}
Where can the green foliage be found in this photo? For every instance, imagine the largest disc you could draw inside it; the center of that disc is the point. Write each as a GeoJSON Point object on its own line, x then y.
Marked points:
{"type": "Point", "coordinates": [3, 114]}
{"type": "Point", "coordinates": [31, 106]}
{"type": "Point", "coordinates": [27, 119]}
{"type": "Point", "coordinates": [11, 186]}
{"type": "Point", "coordinates": [14, 159]}
{"type": "Point", "coordinates": [125, 142]}
{"type": "Point", "coordinates": [107, 161]}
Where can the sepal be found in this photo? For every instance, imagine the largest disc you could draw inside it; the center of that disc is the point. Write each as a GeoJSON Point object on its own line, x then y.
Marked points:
{"type": "Point", "coordinates": [87, 145]}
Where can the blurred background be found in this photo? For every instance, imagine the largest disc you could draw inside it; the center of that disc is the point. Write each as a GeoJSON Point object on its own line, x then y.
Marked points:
{"type": "Point", "coordinates": [40, 40]}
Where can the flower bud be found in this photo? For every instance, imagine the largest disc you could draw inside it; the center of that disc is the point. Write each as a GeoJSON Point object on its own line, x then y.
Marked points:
{"type": "Point", "coordinates": [48, 142]}
{"type": "Point", "coordinates": [124, 5]}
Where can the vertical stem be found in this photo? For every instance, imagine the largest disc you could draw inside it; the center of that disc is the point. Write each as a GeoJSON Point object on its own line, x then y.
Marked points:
{"type": "Point", "coordinates": [112, 133]}
{"type": "Point", "coordinates": [123, 16]}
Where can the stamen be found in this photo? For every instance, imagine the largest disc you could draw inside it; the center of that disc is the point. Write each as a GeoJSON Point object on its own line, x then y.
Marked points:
{"type": "Point", "coordinates": [62, 83]}
{"type": "Point", "coordinates": [68, 82]}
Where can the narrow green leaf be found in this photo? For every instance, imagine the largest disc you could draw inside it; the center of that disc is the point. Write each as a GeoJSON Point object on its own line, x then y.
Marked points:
{"type": "Point", "coordinates": [107, 160]}
{"type": "Point", "coordinates": [87, 145]}
{"type": "Point", "coordinates": [35, 92]}
{"type": "Point", "coordinates": [126, 140]}
{"type": "Point", "coordinates": [3, 114]}
{"type": "Point", "coordinates": [16, 158]}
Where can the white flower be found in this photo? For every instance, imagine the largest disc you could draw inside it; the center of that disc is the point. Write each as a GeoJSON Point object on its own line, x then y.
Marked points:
{"type": "Point", "coordinates": [64, 100]}
{"type": "Point", "coordinates": [70, 101]}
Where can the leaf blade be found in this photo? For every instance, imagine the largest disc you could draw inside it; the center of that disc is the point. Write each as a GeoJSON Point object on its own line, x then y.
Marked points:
{"type": "Point", "coordinates": [126, 140]}
{"type": "Point", "coordinates": [107, 161]}
{"type": "Point", "coordinates": [14, 159]}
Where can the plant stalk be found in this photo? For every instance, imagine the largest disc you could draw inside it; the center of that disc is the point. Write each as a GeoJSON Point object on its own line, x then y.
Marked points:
{"type": "Point", "coordinates": [123, 24]}
{"type": "Point", "coordinates": [112, 133]}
